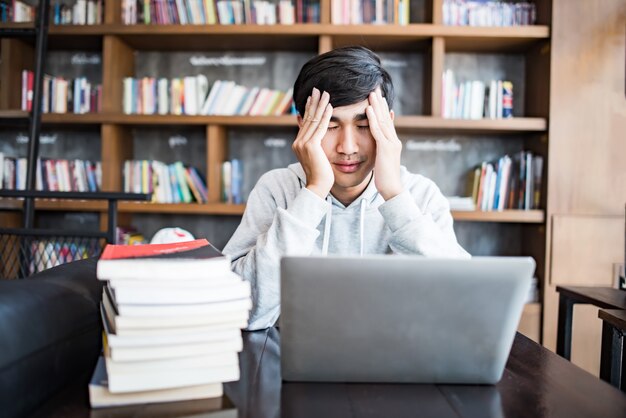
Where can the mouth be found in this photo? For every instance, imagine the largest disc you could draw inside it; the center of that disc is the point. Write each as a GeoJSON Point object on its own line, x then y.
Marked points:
{"type": "Point", "coordinates": [347, 167]}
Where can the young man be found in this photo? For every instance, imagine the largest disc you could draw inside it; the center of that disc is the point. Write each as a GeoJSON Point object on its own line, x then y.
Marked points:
{"type": "Point", "coordinates": [349, 194]}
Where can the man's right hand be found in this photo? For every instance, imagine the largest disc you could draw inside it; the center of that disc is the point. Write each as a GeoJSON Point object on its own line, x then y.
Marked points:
{"type": "Point", "coordinates": [308, 144]}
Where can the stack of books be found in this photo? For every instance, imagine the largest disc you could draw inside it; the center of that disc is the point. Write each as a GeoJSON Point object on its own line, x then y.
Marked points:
{"type": "Point", "coordinates": [172, 316]}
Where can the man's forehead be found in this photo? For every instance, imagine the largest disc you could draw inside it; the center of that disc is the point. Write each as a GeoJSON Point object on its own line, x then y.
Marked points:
{"type": "Point", "coordinates": [350, 112]}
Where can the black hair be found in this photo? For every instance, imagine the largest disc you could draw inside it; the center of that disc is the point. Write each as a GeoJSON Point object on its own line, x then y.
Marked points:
{"type": "Point", "coordinates": [348, 74]}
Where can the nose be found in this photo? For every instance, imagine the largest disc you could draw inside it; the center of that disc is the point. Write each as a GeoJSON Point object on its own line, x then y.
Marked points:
{"type": "Point", "coordinates": [347, 143]}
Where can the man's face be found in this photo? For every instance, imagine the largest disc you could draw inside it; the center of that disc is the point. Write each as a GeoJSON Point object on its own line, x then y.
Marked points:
{"type": "Point", "coordinates": [350, 147]}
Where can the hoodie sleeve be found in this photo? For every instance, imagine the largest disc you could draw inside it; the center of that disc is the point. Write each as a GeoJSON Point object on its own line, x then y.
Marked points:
{"type": "Point", "coordinates": [421, 223]}
{"type": "Point", "coordinates": [266, 233]}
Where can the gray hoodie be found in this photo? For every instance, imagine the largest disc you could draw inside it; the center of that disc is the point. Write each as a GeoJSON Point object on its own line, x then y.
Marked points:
{"type": "Point", "coordinates": [283, 217]}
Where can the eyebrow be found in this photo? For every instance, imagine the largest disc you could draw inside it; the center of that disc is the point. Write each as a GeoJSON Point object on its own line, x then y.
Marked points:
{"type": "Point", "coordinates": [357, 118]}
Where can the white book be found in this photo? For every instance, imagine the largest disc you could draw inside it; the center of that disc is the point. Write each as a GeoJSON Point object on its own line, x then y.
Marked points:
{"type": "Point", "coordinates": [219, 105]}
{"type": "Point", "coordinates": [467, 100]}
{"type": "Point", "coordinates": [477, 100]}
{"type": "Point", "coordinates": [100, 396]}
{"type": "Point", "coordinates": [128, 95]}
{"type": "Point", "coordinates": [504, 182]}
{"type": "Point", "coordinates": [204, 361]}
{"type": "Point", "coordinates": [218, 314]}
{"type": "Point", "coordinates": [163, 96]}
{"type": "Point", "coordinates": [179, 310]}
{"type": "Point", "coordinates": [202, 91]}
{"type": "Point", "coordinates": [238, 320]}
{"type": "Point", "coordinates": [164, 338]}
{"type": "Point", "coordinates": [193, 264]}
{"type": "Point", "coordinates": [259, 102]}
{"type": "Point", "coordinates": [133, 382]}
{"type": "Point", "coordinates": [492, 189]}
{"type": "Point", "coordinates": [61, 96]}
{"type": "Point", "coordinates": [20, 171]}
{"type": "Point", "coordinates": [181, 8]}
{"type": "Point", "coordinates": [174, 351]}
{"type": "Point", "coordinates": [237, 95]}
{"type": "Point", "coordinates": [151, 295]}
{"type": "Point", "coordinates": [190, 93]}
{"type": "Point", "coordinates": [250, 98]}
{"type": "Point", "coordinates": [211, 97]}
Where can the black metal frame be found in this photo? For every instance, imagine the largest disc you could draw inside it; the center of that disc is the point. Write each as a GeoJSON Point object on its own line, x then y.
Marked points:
{"type": "Point", "coordinates": [21, 239]}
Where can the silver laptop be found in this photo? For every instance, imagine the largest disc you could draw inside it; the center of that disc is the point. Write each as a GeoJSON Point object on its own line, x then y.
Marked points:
{"type": "Point", "coordinates": [400, 318]}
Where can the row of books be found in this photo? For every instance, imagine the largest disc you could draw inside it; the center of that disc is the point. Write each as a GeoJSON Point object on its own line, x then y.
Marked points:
{"type": "Point", "coordinates": [16, 11]}
{"type": "Point", "coordinates": [191, 96]}
{"type": "Point", "coordinates": [48, 253]}
{"type": "Point", "coordinates": [472, 99]}
{"type": "Point", "coordinates": [168, 183]}
{"type": "Point", "coordinates": [51, 174]}
{"type": "Point", "coordinates": [509, 183]}
{"type": "Point", "coordinates": [172, 316]}
{"type": "Point", "coordinates": [488, 13]}
{"type": "Point", "coordinates": [83, 12]}
{"type": "Point", "coordinates": [224, 12]}
{"type": "Point", "coordinates": [232, 182]}
{"type": "Point", "coordinates": [62, 96]}
{"type": "Point", "coordinates": [355, 12]}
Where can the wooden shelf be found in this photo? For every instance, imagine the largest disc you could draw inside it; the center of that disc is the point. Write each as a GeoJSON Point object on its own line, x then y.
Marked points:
{"type": "Point", "coordinates": [299, 37]}
{"type": "Point", "coordinates": [424, 123]}
{"type": "Point", "coordinates": [505, 216]}
{"type": "Point", "coordinates": [285, 120]}
{"type": "Point", "coordinates": [22, 25]}
{"type": "Point", "coordinates": [128, 207]}
{"type": "Point", "coordinates": [511, 125]}
{"type": "Point", "coordinates": [13, 114]}
{"type": "Point", "coordinates": [512, 216]}
{"type": "Point", "coordinates": [73, 119]}
{"type": "Point", "coordinates": [491, 39]}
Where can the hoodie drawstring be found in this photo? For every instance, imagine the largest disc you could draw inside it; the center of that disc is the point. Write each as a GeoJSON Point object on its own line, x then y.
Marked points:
{"type": "Point", "coordinates": [362, 224]}
{"type": "Point", "coordinates": [329, 215]}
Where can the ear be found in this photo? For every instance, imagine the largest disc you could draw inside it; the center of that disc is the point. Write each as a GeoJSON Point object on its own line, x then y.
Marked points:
{"type": "Point", "coordinates": [392, 115]}
{"type": "Point", "coordinates": [300, 121]}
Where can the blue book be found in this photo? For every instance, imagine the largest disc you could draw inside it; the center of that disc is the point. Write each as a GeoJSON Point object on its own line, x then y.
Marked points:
{"type": "Point", "coordinates": [236, 181]}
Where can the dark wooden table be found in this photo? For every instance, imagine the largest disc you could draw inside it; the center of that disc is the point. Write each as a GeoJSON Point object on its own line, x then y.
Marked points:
{"type": "Point", "coordinates": [602, 297]}
{"type": "Point", "coordinates": [536, 383]}
{"type": "Point", "coordinates": [613, 355]}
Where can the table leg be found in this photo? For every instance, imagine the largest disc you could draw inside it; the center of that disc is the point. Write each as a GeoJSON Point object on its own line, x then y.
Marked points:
{"type": "Point", "coordinates": [612, 356]}
{"type": "Point", "coordinates": [564, 330]}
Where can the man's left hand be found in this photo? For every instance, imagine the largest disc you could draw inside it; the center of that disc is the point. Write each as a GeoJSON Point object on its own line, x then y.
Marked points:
{"type": "Point", "coordinates": [388, 146]}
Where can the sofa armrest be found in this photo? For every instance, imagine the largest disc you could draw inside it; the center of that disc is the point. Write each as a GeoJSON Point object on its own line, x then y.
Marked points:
{"type": "Point", "coordinates": [50, 332]}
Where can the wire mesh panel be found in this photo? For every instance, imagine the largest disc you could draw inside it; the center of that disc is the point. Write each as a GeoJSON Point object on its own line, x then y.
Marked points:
{"type": "Point", "coordinates": [23, 254]}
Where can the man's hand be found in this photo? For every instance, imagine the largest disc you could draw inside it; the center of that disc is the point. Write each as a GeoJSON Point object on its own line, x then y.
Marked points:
{"type": "Point", "coordinates": [388, 147]}
{"type": "Point", "coordinates": [308, 144]}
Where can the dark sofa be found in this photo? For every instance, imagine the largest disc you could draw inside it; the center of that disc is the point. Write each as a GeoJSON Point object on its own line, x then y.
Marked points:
{"type": "Point", "coordinates": [50, 334]}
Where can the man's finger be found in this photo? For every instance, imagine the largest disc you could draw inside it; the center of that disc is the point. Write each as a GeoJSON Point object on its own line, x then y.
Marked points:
{"type": "Point", "coordinates": [316, 117]}
{"type": "Point", "coordinates": [319, 133]}
{"type": "Point", "coordinates": [377, 133]}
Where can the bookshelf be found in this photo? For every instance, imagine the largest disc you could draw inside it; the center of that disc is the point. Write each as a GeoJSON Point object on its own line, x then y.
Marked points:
{"type": "Point", "coordinates": [426, 40]}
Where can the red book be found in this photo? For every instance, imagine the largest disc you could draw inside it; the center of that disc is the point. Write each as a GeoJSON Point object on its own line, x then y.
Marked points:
{"type": "Point", "coordinates": [196, 259]}
{"type": "Point", "coordinates": [29, 89]}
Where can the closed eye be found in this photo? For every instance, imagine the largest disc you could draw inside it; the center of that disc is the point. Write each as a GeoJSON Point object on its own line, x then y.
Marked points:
{"type": "Point", "coordinates": [332, 128]}
{"type": "Point", "coordinates": [363, 127]}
